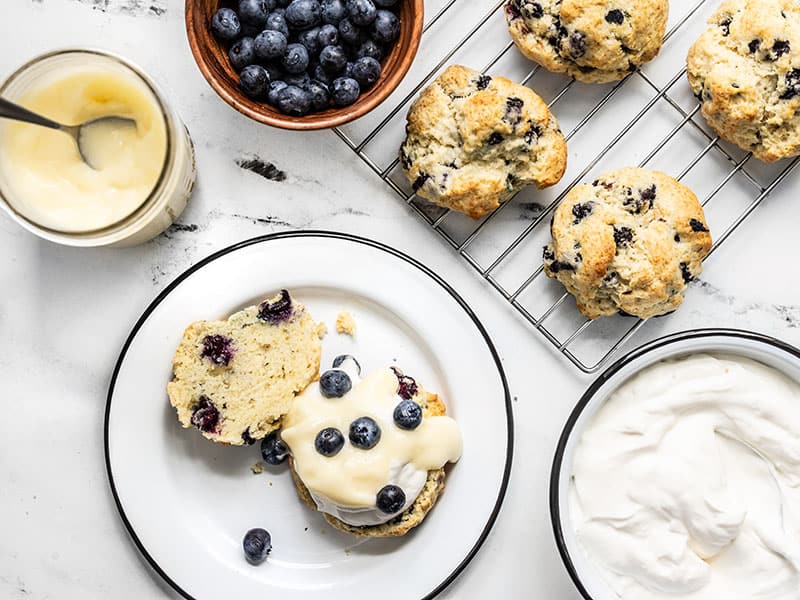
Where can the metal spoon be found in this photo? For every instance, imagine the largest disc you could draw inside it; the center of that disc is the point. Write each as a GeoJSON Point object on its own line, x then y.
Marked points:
{"type": "Point", "coordinates": [79, 133]}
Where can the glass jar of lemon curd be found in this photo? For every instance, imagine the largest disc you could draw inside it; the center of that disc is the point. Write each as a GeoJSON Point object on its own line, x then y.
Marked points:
{"type": "Point", "coordinates": [145, 177]}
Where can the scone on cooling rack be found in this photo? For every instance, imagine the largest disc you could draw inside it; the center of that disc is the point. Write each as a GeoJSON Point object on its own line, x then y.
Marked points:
{"type": "Point", "coordinates": [628, 242]}
{"type": "Point", "coordinates": [369, 453]}
{"type": "Point", "coordinates": [594, 41]}
{"type": "Point", "coordinates": [235, 379]}
{"type": "Point", "coordinates": [473, 141]}
{"type": "Point", "coordinates": [745, 70]}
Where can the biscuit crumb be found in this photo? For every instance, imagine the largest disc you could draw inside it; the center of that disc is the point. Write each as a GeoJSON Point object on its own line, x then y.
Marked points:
{"type": "Point", "coordinates": [322, 330]}
{"type": "Point", "coordinates": [346, 324]}
{"type": "Point", "coordinates": [257, 468]}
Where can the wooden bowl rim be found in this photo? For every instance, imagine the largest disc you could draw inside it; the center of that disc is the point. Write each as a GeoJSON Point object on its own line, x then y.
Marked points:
{"type": "Point", "coordinates": [309, 122]}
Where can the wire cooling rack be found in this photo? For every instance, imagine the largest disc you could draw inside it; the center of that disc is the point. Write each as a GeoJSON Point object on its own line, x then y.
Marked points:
{"type": "Point", "coordinates": [650, 119]}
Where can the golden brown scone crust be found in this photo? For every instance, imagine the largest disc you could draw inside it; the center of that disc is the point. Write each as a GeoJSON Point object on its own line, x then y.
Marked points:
{"type": "Point", "coordinates": [474, 140]}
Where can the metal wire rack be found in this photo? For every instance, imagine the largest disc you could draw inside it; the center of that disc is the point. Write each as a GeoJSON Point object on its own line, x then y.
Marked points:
{"type": "Point", "coordinates": [665, 131]}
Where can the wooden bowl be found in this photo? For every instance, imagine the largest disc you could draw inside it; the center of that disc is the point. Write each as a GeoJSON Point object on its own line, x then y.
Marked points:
{"type": "Point", "coordinates": [212, 58]}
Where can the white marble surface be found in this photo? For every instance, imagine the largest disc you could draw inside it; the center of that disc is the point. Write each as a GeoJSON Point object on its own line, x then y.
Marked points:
{"type": "Point", "coordinates": [64, 314]}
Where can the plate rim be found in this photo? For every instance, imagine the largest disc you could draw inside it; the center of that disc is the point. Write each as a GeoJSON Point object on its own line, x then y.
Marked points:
{"type": "Point", "coordinates": [318, 233]}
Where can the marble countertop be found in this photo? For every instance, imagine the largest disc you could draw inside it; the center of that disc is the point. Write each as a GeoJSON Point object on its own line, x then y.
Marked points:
{"type": "Point", "coordinates": [64, 314]}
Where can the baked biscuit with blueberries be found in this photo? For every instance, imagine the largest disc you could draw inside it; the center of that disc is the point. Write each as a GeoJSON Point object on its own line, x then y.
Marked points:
{"type": "Point", "coordinates": [594, 41]}
{"type": "Point", "coordinates": [234, 379]}
{"type": "Point", "coordinates": [745, 70]}
{"type": "Point", "coordinates": [473, 141]}
{"type": "Point", "coordinates": [629, 242]}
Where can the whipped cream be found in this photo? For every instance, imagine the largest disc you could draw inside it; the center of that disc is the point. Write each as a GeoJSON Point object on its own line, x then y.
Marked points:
{"type": "Point", "coordinates": [686, 484]}
{"type": "Point", "coordinates": [346, 485]}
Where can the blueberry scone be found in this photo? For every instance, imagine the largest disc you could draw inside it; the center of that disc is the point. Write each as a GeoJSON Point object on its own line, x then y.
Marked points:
{"type": "Point", "coordinates": [745, 70]}
{"type": "Point", "coordinates": [369, 453]}
{"type": "Point", "coordinates": [474, 140]}
{"type": "Point", "coordinates": [234, 379]}
{"type": "Point", "coordinates": [594, 41]}
{"type": "Point", "coordinates": [629, 242]}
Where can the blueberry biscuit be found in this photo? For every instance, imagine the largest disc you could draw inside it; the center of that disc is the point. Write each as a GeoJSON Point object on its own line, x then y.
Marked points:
{"type": "Point", "coordinates": [235, 379]}
{"type": "Point", "coordinates": [745, 70]}
{"type": "Point", "coordinates": [629, 242]}
{"type": "Point", "coordinates": [474, 140]}
{"type": "Point", "coordinates": [593, 41]}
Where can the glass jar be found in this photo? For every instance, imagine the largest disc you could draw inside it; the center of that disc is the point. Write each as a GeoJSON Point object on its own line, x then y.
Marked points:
{"type": "Point", "coordinates": [171, 192]}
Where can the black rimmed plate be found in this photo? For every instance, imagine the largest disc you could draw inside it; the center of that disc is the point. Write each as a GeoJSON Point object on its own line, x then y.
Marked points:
{"type": "Point", "coordinates": [187, 502]}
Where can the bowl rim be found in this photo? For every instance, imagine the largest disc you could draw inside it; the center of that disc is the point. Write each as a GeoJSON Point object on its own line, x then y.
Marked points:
{"type": "Point", "coordinates": [342, 115]}
{"type": "Point", "coordinates": [596, 385]}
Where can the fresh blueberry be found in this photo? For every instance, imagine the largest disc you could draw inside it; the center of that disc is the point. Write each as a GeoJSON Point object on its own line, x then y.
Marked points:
{"type": "Point", "coordinates": [335, 383]}
{"type": "Point", "coordinates": [407, 414]}
{"type": "Point", "coordinates": [219, 349]}
{"type": "Point", "coordinates": [254, 12]}
{"type": "Point", "coordinates": [364, 433]}
{"type": "Point", "coordinates": [343, 358]}
{"type": "Point", "coordinates": [333, 11]}
{"type": "Point", "coordinates": [320, 95]}
{"type": "Point", "coordinates": [385, 3]}
{"type": "Point", "coordinates": [345, 91]}
{"type": "Point", "coordinates": [406, 386]}
{"type": "Point", "coordinates": [349, 70]}
{"type": "Point", "coordinates": [302, 14]}
{"type": "Point", "coordinates": [275, 74]}
{"type": "Point", "coordinates": [274, 450]}
{"type": "Point", "coordinates": [328, 35]}
{"type": "Point", "coordinates": [366, 71]}
{"type": "Point", "coordinates": [225, 24]}
{"type": "Point", "coordinates": [329, 441]}
{"type": "Point", "coordinates": [300, 80]}
{"type": "Point", "coordinates": [277, 22]}
{"type": "Point", "coordinates": [254, 81]}
{"type": "Point", "coordinates": [205, 415]}
{"type": "Point", "coordinates": [362, 12]}
{"type": "Point", "coordinates": [274, 88]}
{"type": "Point", "coordinates": [386, 27]}
{"type": "Point", "coordinates": [270, 44]}
{"type": "Point", "coordinates": [310, 39]}
{"type": "Point", "coordinates": [348, 32]}
{"type": "Point", "coordinates": [295, 59]}
{"type": "Point", "coordinates": [242, 53]}
{"type": "Point", "coordinates": [256, 544]}
{"type": "Point", "coordinates": [278, 311]}
{"type": "Point", "coordinates": [333, 59]}
{"type": "Point", "coordinates": [321, 75]}
{"type": "Point", "coordinates": [390, 499]}
{"type": "Point", "coordinates": [369, 48]}
{"type": "Point", "coordinates": [293, 100]}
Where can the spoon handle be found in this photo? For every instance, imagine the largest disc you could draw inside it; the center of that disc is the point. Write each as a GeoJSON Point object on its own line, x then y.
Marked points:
{"type": "Point", "coordinates": [9, 110]}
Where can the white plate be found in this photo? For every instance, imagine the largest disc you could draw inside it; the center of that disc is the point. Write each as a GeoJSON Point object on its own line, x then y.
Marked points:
{"type": "Point", "coordinates": [187, 502]}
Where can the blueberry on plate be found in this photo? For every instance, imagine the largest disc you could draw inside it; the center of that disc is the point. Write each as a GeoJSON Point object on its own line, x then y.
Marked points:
{"type": "Point", "coordinates": [294, 101]}
{"type": "Point", "coordinates": [329, 441]}
{"type": "Point", "coordinates": [407, 414]}
{"type": "Point", "coordinates": [362, 12]}
{"type": "Point", "coordinates": [364, 433]}
{"type": "Point", "coordinates": [277, 22]}
{"type": "Point", "coordinates": [366, 71]}
{"type": "Point", "coordinates": [369, 48]}
{"type": "Point", "coordinates": [345, 91]}
{"type": "Point", "coordinates": [310, 39]}
{"type": "Point", "coordinates": [333, 11]}
{"type": "Point", "coordinates": [343, 358]}
{"type": "Point", "coordinates": [254, 12]}
{"type": "Point", "coordinates": [328, 35]}
{"type": "Point", "coordinates": [270, 44]}
{"type": "Point", "coordinates": [225, 24]}
{"type": "Point", "coordinates": [390, 499]}
{"type": "Point", "coordinates": [320, 96]}
{"type": "Point", "coordinates": [275, 86]}
{"type": "Point", "coordinates": [254, 81]}
{"type": "Point", "coordinates": [256, 544]}
{"type": "Point", "coordinates": [348, 32]}
{"type": "Point", "coordinates": [242, 53]}
{"type": "Point", "coordinates": [302, 14]}
{"type": "Point", "coordinates": [334, 383]}
{"type": "Point", "coordinates": [274, 450]}
{"type": "Point", "coordinates": [295, 59]}
{"type": "Point", "coordinates": [333, 59]}
{"type": "Point", "coordinates": [385, 28]}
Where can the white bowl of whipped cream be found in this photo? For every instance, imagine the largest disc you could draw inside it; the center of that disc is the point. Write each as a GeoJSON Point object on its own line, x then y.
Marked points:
{"type": "Point", "coordinates": [677, 476]}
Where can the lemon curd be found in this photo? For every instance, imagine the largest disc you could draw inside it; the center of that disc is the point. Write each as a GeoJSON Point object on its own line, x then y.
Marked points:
{"type": "Point", "coordinates": [47, 180]}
